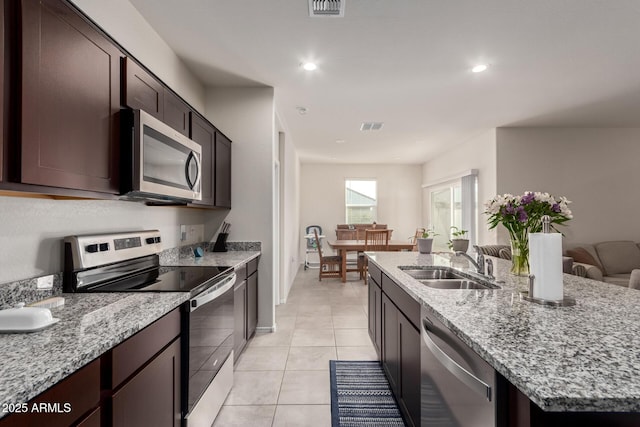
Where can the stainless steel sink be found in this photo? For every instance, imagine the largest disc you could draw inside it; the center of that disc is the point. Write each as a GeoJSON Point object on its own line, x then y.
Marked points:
{"type": "Point", "coordinates": [432, 273]}
{"type": "Point", "coordinates": [454, 284]}
{"type": "Point", "coordinates": [446, 278]}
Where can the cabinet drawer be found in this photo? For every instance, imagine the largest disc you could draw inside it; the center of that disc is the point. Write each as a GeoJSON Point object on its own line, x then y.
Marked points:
{"type": "Point", "coordinates": [78, 393]}
{"type": "Point", "coordinates": [407, 305]}
{"type": "Point", "coordinates": [132, 354]}
{"type": "Point", "coordinates": [252, 266]}
{"type": "Point", "coordinates": [375, 273]}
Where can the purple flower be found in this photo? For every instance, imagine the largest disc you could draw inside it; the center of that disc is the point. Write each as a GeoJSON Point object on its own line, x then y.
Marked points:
{"type": "Point", "coordinates": [522, 215]}
{"type": "Point", "coordinates": [509, 209]}
{"type": "Point", "coordinates": [556, 208]}
{"type": "Point", "coordinates": [527, 198]}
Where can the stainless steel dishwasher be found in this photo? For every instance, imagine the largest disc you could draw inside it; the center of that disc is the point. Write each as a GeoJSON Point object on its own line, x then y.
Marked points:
{"type": "Point", "coordinates": [458, 388]}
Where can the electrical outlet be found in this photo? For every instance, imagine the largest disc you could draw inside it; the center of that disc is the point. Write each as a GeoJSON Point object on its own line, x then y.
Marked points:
{"type": "Point", "coordinates": [183, 233]}
{"type": "Point", "coordinates": [191, 234]}
{"type": "Point", "coordinates": [45, 282]}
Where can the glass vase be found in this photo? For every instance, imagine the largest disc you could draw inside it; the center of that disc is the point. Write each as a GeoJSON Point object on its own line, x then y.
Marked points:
{"type": "Point", "coordinates": [520, 256]}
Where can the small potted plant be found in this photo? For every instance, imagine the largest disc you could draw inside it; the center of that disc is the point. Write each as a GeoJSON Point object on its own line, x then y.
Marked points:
{"type": "Point", "coordinates": [425, 243]}
{"type": "Point", "coordinates": [458, 241]}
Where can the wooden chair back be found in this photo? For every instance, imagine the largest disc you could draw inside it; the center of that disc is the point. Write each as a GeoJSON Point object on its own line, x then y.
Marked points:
{"type": "Point", "coordinates": [318, 245]}
{"type": "Point", "coordinates": [376, 240]}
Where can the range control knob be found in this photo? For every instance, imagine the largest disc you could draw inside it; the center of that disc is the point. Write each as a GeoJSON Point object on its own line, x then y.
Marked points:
{"type": "Point", "coordinates": [150, 240]}
{"type": "Point", "coordinates": [104, 247]}
{"type": "Point", "coordinates": [91, 248]}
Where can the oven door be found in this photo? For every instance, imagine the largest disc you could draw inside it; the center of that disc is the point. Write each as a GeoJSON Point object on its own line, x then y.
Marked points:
{"type": "Point", "coordinates": [168, 163]}
{"type": "Point", "coordinates": [210, 343]}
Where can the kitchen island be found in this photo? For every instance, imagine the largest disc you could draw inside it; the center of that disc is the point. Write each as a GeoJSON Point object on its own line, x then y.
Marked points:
{"type": "Point", "coordinates": [584, 358]}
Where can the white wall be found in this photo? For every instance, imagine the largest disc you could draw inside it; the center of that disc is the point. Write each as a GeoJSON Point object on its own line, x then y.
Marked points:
{"type": "Point", "coordinates": [124, 24]}
{"type": "Point", "coordinates": [322, 196]}
{"type": "Point", "coordinates": [290, 215]}
{"type": "Point", "coordinates": [31, 230]}
{"type": "Point", "coordinates": [247, 117]}
{"type": "Point", "coordinates": [478, 153]}
{"type": "Point", "coordinates": [597, 169]}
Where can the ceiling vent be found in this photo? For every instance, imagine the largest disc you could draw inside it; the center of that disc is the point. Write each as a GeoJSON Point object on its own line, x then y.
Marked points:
{"type": "Point", "coordinates": [371, 126]}
{"type": "Point", "coordinates": [321, 8]}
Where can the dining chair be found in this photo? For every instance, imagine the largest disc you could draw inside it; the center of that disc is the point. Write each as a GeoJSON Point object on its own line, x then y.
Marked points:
{"type": "Point", "coordinates": [374, 240]}
{"type": "Point", "coordinates": [330, 266]}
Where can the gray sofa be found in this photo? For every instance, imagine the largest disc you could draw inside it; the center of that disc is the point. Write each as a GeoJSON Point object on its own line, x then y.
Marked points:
{"type": "Point", "coordinates": [616, 262]}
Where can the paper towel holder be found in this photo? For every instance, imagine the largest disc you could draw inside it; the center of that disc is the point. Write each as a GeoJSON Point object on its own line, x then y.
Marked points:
{"type": "Point", "coordinates": [528, 296]}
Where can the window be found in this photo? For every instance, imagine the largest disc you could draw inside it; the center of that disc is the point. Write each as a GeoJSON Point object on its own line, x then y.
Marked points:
{"type": "Point", "coordinates": [361, 201]}
{"type": "Point", "coordinates": [453, 204]}
{"type": "Point", "coordinates": [446, 211]}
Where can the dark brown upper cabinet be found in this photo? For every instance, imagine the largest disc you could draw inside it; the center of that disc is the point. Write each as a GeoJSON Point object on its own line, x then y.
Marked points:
{"type": "Point", "coordinates": [140, 90]}
{"type": "Point", "coordinates": [69, 96]}
{"type": "Point", "coordinates": [176, 113]}
{"type": "Point", "coordinates": [204, 134]}
{"type": "Point", "coordinates": [223, 171]}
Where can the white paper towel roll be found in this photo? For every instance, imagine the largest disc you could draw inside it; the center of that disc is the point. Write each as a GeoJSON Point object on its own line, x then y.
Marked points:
{"type": "Point", "coordinates": [545, 263]}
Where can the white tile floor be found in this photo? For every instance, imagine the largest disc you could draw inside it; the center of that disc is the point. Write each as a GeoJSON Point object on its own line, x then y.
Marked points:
{"type": "Point", "coordinates": [282, 378]}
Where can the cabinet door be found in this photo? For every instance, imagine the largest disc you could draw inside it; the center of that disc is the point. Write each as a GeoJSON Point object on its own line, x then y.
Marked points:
{"type": "Point", "coordinates": [409, 390]}
{"type": "Point", "coordinates": [252, 304]}
{"type": "Point", "coordinates": [176, 112]}
{"type": "Point", "coordinates": [223, 171]}
{"type": "Point", "coordinates": [70, 97]}
{"type": "Point", "coordinates": [375, 318]}
{"type": "Point", "coordinates": [390, 343]}
{"type": "Point", "coordinates": [152, 396]}
{"type": "Point", "coordinates": [141, 90]}
{"type": "Point", "coordinates": [240, 319]}
{"type": "Point", "coordinates": [204, 134]}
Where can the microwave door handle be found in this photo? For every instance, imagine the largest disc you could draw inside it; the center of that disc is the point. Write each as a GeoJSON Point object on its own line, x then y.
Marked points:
{"type": "Point", "coordinates": [194, 158]}
{"type": "Point", "coordinates": [453, 367]}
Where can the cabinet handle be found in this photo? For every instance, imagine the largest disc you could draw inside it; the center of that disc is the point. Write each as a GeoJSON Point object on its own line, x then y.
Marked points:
{"type": "Point", "coordinates": [473, 382]}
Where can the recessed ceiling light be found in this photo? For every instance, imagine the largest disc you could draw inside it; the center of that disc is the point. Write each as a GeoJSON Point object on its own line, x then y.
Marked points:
{"type": "Point", "coordinates": [479, 68]}
{"type": "Point", "coordinates": [340, 141]}
{"type": "Point", "coordinates": [301, 110]}
{"type": "Point", "coordinates": [309, 66]}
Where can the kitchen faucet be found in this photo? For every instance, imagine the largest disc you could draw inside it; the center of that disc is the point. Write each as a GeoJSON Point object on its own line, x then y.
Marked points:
{"type": "Point", "coordinates": [478, 263]}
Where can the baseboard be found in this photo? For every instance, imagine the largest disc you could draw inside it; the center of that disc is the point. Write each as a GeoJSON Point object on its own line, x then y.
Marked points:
{"type": "Point", "coordinates": [266, 328]}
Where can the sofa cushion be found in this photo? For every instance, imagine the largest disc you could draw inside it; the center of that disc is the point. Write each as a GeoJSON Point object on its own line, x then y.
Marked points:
{"type": "Point", "coordinates": [583, 256]}
{"type": "Point", "coordinates": [617, 279]}
{"type": "Point", "coordinates": [619, 256]}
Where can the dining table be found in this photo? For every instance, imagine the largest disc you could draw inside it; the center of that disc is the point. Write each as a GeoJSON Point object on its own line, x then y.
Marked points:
{"type": "Point", "coordinates": [344, 246]}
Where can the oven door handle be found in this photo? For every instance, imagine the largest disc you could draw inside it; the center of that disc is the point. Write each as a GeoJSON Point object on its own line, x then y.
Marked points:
{"type": "Point", "coordinates": [473, 382]}
{"type": "Point", "coordinates": [208, 296]}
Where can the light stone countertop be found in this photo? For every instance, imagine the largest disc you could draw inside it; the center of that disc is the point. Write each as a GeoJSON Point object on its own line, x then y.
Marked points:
{"type": "Point", "coordinates": [215, 259]}
{"type": "Point", "coordinates": [90, 325]}
{"type": "Point", "coordinates": [580, 358]}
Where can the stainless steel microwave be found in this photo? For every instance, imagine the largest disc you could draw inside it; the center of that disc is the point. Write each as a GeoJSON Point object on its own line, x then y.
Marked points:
{"type": "Point", "coordinates": [160, 164]}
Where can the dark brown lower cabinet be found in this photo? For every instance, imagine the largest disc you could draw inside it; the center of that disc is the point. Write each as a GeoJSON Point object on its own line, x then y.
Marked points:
{"type": "Point", "coordinates": [74, 399]}
{"type": "Point", "coordinates": [252, 304]}
{"type": "Point", "coordinates": [375, 317]}
{"type": "Point", "coordinates": [401, 359]}
{"type": "Point", "coordinates": [137, 384]}
{"type": "Point", "coordinates": [152, 397]}
{"type": "Point", "coordinates": [240, 318]}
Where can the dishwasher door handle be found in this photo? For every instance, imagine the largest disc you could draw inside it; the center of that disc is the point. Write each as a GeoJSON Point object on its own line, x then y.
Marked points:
{"type": "Point", "coordinates": [473, 382]}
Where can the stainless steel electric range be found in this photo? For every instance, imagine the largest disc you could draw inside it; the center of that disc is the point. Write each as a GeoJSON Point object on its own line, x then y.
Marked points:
{"type": "Point", "coordinates": [129, 262]}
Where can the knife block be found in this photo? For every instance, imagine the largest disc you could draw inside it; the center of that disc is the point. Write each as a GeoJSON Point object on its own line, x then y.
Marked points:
{"type": "Point", "coordinates": [221, 243]}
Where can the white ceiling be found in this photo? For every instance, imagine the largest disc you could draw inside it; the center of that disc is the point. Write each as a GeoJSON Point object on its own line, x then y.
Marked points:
{"type": "Point", "coordinates": [407, 63]}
